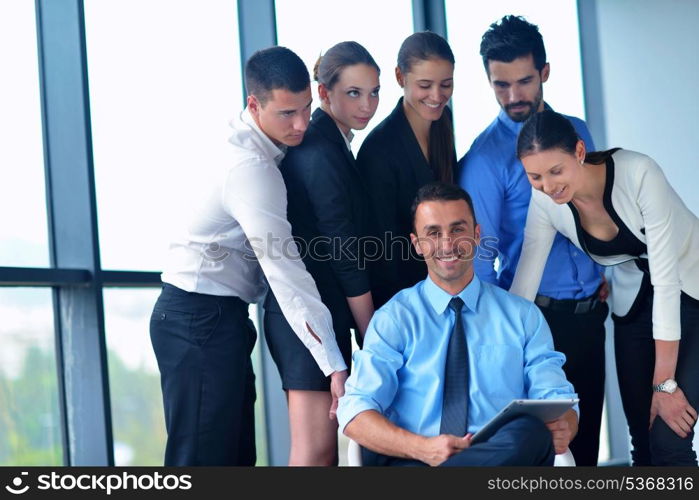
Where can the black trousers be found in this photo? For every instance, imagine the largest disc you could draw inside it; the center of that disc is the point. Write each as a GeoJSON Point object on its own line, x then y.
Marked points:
{"type": "Point", "coordinates": [524, 441]}
{"type": "Point", "coordinates": [581, 338]}
{"type": "Point", "coordinates": [635, 363]}
{"type": "Point", "coordinates": [203, 345]}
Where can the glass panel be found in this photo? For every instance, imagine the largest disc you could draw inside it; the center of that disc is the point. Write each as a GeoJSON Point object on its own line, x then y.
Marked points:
{"type": "Point", "coordinates": [134, 380]}
{"type": "Point", "coordinates": [161, 99]}
{"type": "Point", "coordinates": [604, 454]}
{"type": "Point", "coordinates": [29, 408]}
{"type": "Point", "coordinates": [474, 102]}
{"type": "Point", "coordinates": [364, 21]}
{"type": "Point", "coordinates": [260, 410]}
{"type": "Point", "coordinates": [24, 233]}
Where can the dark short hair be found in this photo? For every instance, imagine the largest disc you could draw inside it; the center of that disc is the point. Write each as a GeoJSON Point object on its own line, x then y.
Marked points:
{"type": "Point", "coordinates": [441, 191]}
{"type": "Point", "coordinates": [510, 38]}
{"type": "Point", "coordinates": [275, 68]}
{"type": "Point", "coordinates": [329, 66]}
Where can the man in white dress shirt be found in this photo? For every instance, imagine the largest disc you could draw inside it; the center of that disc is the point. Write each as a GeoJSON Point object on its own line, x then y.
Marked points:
{"type": "Point", "coordinates": [236, 236]}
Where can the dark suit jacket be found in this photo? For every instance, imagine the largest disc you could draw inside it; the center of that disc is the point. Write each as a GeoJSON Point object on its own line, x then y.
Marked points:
{"type": "Point", "coordinates": [327, 209]}
{"type": "Point", "coordinates": [394, 168]}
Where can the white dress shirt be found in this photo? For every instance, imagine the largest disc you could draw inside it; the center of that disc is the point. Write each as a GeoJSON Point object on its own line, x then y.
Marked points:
{"type": "Point", "coordinates": [347, 137]}
{"type": "Point", "coordinates": [237, 235]}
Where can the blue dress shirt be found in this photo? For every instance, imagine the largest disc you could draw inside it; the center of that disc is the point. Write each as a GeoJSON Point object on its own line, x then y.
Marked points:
{"type": "Point", "coordinates": [400, 370]}
{"type": "Point", "coordinates": [498, 184]}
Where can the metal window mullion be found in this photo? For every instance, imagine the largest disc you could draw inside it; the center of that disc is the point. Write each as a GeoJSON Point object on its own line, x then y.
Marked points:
{"type": "Point", "coordinates": [257, 28]}
{"type": "Point", "coordinates": [430, 15]}
{"type": "Point", "coordinates": [71, 206]}
{"type": "Point", "coordinates": [18, 276]}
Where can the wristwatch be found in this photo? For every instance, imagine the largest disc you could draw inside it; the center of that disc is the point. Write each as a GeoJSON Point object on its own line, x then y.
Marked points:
{"type": "Point", "coordinates": [668, 386]}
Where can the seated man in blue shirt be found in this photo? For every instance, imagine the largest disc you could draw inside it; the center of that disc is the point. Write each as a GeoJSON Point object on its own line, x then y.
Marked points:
{"type": "Point", "coordinates": [403, 397]}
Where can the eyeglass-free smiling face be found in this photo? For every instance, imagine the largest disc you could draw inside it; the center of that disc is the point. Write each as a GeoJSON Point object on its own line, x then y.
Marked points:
{"type": "Point", "coordinates": [427, 87]}
{"type": "Point", "coordinates": [447, 237]}
{"type": "Point", "coordinates": [555, 172]}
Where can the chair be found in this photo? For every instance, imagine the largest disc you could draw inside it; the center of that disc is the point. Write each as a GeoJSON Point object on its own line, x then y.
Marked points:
{"type": "Point", "coordinates": [354, 456]}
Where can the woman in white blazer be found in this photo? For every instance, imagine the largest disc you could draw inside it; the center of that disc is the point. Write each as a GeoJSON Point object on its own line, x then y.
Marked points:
{"type": "Point", "coordinates": [618, 207]}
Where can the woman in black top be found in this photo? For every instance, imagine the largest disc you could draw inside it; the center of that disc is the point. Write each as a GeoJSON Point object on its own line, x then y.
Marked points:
{"type": "Point", "coordinates": [413, 146]}
{"type": "Point", "coordinates": [327, 209]}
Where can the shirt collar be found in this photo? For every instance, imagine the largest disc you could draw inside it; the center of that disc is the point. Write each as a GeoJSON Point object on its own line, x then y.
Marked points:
{"type": "Point", "coordinates": [440, 299]}
{"type": "Point", "coordinates": [275, 152]}
{"type": "Point", "coordinates": [348, 138]}
{"type": "Point", "coordinates": [512, 125]}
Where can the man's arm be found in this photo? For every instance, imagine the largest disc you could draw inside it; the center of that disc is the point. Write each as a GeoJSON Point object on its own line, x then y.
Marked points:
{"type": "Point", "coordinates": [255, 195]}
{"type": "Point", "coordinates": [483, 182]}
{"type": "Point", "coordinates": [584, 133]}
{"type": "Point", "coordinates": [371, 390]}
{"type": "Point", "coordinates": [374, 431]}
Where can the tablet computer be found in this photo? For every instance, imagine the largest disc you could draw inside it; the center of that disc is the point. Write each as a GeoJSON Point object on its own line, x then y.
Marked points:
{"type": "Point", "coordinates": [544, 409]}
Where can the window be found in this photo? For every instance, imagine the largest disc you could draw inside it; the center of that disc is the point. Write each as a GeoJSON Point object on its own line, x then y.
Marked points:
{"type": "Point", "coordinates": [29, 411]}
{"type": "Point", "coordinates": [364, 21]}
{"type": "Point", "coordinates": [23, 227]}
{"type": "Point", "coordinates": [474, 102]}
{"type": "Point", "coordinates": [134, 380]}
{"type": "Point", "coordinates": [161, 99]}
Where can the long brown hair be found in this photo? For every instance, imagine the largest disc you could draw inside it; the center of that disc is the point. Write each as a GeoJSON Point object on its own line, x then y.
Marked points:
{"type": "Point", "coordinates": [423, 46]}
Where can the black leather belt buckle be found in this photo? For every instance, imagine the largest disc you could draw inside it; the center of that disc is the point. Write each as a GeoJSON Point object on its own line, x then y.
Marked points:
{"type": "Point", "coordinates": [582, 307]}
{"type": "Point", "coordinates": [585, 307]}
{"type": "Point", "coordinates": [543, 301]}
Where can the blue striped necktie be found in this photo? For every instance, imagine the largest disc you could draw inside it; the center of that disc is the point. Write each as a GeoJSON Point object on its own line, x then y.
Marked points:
{"type": "Point", "coordinates": [455, 400]}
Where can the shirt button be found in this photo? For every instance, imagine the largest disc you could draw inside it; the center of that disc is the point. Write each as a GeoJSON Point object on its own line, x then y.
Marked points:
{"type": "Point", "coordinates": [582, 282]}
{"type": "Point", "coordinates": [162, 316]}
{"type": "Point", "coordinates": [575, 254]}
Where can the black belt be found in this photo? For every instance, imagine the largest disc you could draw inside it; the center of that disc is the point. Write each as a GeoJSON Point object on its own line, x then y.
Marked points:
{"type": "Point", "coordinates": [582, 306]}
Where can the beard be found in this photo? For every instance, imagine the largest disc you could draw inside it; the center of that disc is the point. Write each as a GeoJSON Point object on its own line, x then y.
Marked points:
{"type": "Point", "coordinates": [532, 107]}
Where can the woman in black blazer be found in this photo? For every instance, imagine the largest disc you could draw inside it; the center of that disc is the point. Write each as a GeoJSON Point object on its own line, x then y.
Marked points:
{"type": "Point", "coordinates": [413, 146]}
{"type": "Point", "coordinates": [327, 209]}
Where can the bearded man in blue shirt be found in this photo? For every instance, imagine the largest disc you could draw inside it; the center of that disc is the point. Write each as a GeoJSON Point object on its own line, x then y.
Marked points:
{"type": "Point", "coordinates": [399, 400]}
{"type": "Point", "coordinates": [571, 295]}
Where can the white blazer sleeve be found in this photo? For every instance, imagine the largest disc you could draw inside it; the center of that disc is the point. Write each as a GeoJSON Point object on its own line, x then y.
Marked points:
{"type": "Point", "coordinates": [255, 195]}
{"type": "Point", "coordinates": [655, 202]}
{"type": "Point", "coordinates": [538, 239]}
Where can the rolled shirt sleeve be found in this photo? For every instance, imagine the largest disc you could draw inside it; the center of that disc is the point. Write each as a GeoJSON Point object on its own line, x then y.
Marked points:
{"type": "Point", "coordinates": [373, 383]}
